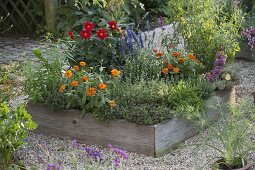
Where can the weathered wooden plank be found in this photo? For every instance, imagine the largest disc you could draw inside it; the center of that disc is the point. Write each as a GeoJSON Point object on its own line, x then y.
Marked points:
{"type": "Point", "coordinates": [68, 124]}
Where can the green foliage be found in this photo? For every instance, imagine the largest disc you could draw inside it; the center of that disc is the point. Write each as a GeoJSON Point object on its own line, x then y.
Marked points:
{"type": "Point", "coordinates": [248, 6]}
{"type": "Point", "coordinates": [44, 79]}
{"type": "Point", "coordinates": [207, 27]}
{"type": "Point", "coordinates": [144, 66]}
{"type": "Point", "coordinates": [14, 127]}
{"type": "Point", "coordinates": [8, 81]}
{"type": "Point", "coordinates": [228, 77]}
{"type": "Point", "coordinates": [78, 97]}
{"type": "Point", "coordinates": [187, 98]}
{"type": "Point", "coordinates": [47, 82]}
{"type": "Point", "coordinates": [234, 135]}
{"type": "Point", "coordinates": [143, 102]}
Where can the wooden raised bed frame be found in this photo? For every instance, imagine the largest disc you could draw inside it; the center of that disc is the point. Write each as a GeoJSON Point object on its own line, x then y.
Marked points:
{"type": "Point", "coordinates": [149, 140]}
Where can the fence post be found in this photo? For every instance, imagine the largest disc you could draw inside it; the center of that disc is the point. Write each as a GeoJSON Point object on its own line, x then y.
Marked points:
{"type": "Point", "coordinates": [50, 7]}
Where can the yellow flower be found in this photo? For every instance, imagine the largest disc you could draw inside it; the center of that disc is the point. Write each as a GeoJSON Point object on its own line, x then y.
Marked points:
{"type": "Point", "coordinates": [102, 86]}
{"type": "Point", "coordinates": [112, 103]}
{"type": "Point", "coordinates": [62, 88]}
{"type": "Point", "coordinates": [91, 68]}
{"type": "Point", "coordinates": [83, 63]}
{"type": "Point", "coordinates": [115, 72]}
{"type": "Point", "coordinates": [228, 77]}
{"type": "Point", "coordinates": [74, 83]}
{"type": "Point", "coordinates": [68, 73]}
{"type": "Point", "coordinates": [91, 91]}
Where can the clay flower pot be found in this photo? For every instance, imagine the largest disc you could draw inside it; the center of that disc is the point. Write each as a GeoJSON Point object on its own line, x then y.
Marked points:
{"type": "Point", "coordinates": [221, 165]}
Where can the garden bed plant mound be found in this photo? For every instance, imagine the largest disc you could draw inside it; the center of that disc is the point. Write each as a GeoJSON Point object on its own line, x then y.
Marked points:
{"type": "Point", "coordinates": [149, 87]}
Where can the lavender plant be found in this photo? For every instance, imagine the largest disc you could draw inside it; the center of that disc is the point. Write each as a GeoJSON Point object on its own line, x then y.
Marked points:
{"type": "Point", "coordinates": [218, 66]}
{"type": "Point", "coordinates": [91, 158]}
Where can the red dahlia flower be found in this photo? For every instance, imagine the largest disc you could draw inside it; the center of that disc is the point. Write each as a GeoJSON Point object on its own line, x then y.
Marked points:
{"type": "Point", "coordinates": [112, 25]}
{"type": "Point", "coordinates": [85, 34]}
{"type": "Point", "coordinates": [101, 33]}
{"type": "Point", "coordinates": [88, 26]}
{"type": "Point", "coordinates": [71, 35]}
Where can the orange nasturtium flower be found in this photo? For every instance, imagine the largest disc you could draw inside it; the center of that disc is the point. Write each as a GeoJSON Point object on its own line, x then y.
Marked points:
{"type": "Point", "coordinates": [84, 78]}
{"type": "Point", "coordinates": [169, 66]}
{"type": "Point", "coordinates": [74, 83]}
{"type": "Point", "coordinates": [115, 72]}
{"type": "Point", "coordinates": [164, 71]}
{"type": "Point", "coordinates": [102, 86]}
{"type": "Point", "coordinates": [181, 60]}
{"type": "Point", "coordinates": [112, 103]}
{"type": "Point", "coordinates": [83, 63]}
{"type": "Point", "coordinates": [176, 54]}
{"type": "Point", "coordinates": [68, 73]}
{"type": "Point", "coordinates": [77, 68]}
{"type": "Point", "coordinates": [91, 91]}
{"type": "Point", "coordinates": [62, 88]}
{"type": "Point", "coordinates": [176, 69]}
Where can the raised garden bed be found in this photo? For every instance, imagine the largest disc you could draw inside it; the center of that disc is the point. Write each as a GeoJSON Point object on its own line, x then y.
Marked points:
{"type": "Point", "coordinates": [149, 140]}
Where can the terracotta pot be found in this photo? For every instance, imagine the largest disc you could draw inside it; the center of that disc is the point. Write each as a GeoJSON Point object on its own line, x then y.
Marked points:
{"type": "Point", "coordinates": [246, 167]}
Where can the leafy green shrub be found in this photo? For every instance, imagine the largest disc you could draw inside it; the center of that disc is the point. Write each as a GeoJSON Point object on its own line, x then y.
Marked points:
{"type": "Point", "coordinates": [44, 79]}
{"type": "Point", "coordinates": [188, 98]}
{"type": "Point", "coordinates": [14, 127]}
{"type": "Point", "coordinates": [207, 28]}
{"type": "Point", "coordinates": [234, 135]}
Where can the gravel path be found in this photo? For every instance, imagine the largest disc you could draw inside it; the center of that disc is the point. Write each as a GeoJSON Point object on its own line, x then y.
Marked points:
{"type": "Point", "coordinates": [187, 158]}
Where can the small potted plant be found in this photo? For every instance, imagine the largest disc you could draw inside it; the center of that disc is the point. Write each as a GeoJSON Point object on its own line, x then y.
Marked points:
{"type": "Point", "coordinates": [233, 136]}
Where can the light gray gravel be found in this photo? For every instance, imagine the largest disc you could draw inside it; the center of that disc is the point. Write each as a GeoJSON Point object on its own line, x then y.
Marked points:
{"type": "Point", "coordinates": [188, 158]}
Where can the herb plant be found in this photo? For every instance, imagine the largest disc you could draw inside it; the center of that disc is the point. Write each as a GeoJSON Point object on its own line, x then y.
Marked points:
{"type": "Point", "coordinates": [14, 127]}
{"type": "Point", "coordinates": [143, 102]}
{"type": "Point", "coordinates": [187, 98]}
{"type": "Point", "coordinates": [207, 28]}
{"type": "Point", "coordinates": [233, 135]}
{"type": "Point", "coordinates": [44, 79]}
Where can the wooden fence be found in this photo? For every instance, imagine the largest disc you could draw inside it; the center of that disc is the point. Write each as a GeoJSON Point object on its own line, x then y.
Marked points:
{"type": "Point", "coordinates": [24, 15]}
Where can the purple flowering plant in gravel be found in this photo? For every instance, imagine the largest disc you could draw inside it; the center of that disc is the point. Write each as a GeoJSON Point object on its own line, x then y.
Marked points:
{"type": "Point", "coordinates": [80, 157]}
{"type": "Point", "coordinates": [96, 158]}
